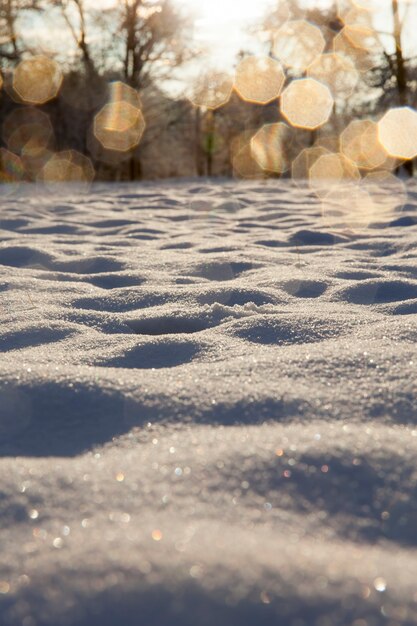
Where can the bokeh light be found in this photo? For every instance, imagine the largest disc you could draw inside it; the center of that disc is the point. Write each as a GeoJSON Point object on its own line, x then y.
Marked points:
{"type": "Point", "coordinates": [298, 43]}
{"type": "Point", "coordinates": [349, 14]}
{"type": "Point", "coordinates": [212, 90]}
{"type": "Point", "coordinates": [269, 148]}
{"type": "Point", "coordinates": [304, 161]}
{"type": "Point", "coordinates": [119, 126]}
{"type": "Point", "coordinates": [360, 143]}
{"type": "Point", "coordinates": [388, 191]}
{"type": "Point", "coordinates": [355, 42]}
{"type": "Point", "coordinates": [337, 72]}
{"type": "Point", "coordinates": [120, 92]}
{"type": "Point", "coordinates": [375, 199]}
{"type": "Point", "coordinates": [361, 37]}
{"type": "Point", "coordinates": [28, 131]}
{"type": "Point", "coordinates": [306, 103]}
{"type": "Point", "coordinates": [11, 169]}
{"type": "Point", "coordinates": [358, 213]}
{"type": "Point", "coordinates": [330, 171]}
{"type": "Point", "coordinates": [259, 79]}
{"type": "Point", "coordinates": [68, 166]}
{"type": "Point", "coordinates": [37, 80]}
{"type": "Point", "coordinates": [243, 162]}
{"type": "Point", "coordinates": [397, 132]}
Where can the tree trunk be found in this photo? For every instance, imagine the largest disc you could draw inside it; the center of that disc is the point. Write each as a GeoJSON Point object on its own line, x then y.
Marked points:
{"type": "Point", "coordinates": [210, 141]}
{"type": "Point", "coordinates": [197, 142]}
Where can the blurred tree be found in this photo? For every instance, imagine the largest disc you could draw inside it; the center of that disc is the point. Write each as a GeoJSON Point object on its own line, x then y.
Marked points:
{"type": "Point", "coordinates": [391, 74]}
{"type": "Point", "coordinates": [11, 44]}
{"type": "Point", "coordinates": [74, 14]}
{"type": "Point", "coordinates": [152, 38]}
{"type": "Point", "coordinates": [394, 76]}
{"type": "Point", "coordinates": [400, 68]}
{"type": "Point", "coordinates": [149, 44]}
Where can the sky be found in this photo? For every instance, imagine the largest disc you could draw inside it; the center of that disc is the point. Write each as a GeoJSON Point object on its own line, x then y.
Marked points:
{"type": "Point", "coordinates": [222, 25]}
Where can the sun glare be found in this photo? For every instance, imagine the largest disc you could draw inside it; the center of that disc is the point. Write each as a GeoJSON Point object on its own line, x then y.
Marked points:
{"type": "Point", "coordinates": [239, 10]}
{"type": "Point", "coordinates": [222, 26]}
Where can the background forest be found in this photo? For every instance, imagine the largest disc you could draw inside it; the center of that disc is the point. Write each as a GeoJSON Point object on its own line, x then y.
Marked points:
{"type": "Point", "coordinates": [123, 91]}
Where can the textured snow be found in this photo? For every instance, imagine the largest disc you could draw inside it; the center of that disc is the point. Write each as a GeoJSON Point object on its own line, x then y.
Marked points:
{"type": "Point", "coordinates": [207, 409]}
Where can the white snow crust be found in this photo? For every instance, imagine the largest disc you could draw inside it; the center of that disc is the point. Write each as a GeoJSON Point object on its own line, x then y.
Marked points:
{"type": "Point", "coordinates": [207, 409]}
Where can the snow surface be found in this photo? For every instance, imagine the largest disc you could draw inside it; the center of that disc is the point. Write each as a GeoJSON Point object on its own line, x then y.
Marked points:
{"type": "Point", "coordinates": [208, 409]}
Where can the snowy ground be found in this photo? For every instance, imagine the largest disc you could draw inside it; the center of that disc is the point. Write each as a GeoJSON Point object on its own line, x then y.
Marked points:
{"type": "Point", "coordinates": [211, 396]}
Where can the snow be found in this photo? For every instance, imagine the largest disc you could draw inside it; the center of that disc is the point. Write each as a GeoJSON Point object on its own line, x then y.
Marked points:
{"type": "Point", "coordinates": [207, 409]}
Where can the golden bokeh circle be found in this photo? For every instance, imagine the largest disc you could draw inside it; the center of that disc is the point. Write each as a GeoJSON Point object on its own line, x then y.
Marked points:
{"type": "Point", "coordinates": [259, 79]}
{"type": "Point", "coordinates": [269, 148]}
{"type": "Point", "coordinates": [119, 126]}
{"type": "Point", "coordinates": [330, 171]}
{"type": "Point", "coordinates": [397, 132]}
{"type": "Point", "coordinates": [243, 162]}
{"type": "Point", "coordinates": [297, 43]}
{"type": "Point", "coordinates": [68, 166]}
{"type": "Point", "coordinates": [360, 143]}
{"type": "Point", "coordinates": [37, 80]}
{"type": "Point", "coordinates": [306, 103]}
{"type": "Point", "coordinates": [388, 191]}
{"type": "Point", "coordinates": [121, 92]}
{"type": "Point", "coordinates": [303, 162]}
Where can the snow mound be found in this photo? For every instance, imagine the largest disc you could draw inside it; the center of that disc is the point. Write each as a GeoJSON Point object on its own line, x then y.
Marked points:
{"type": "Point", "coordinates": [207, 409]}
